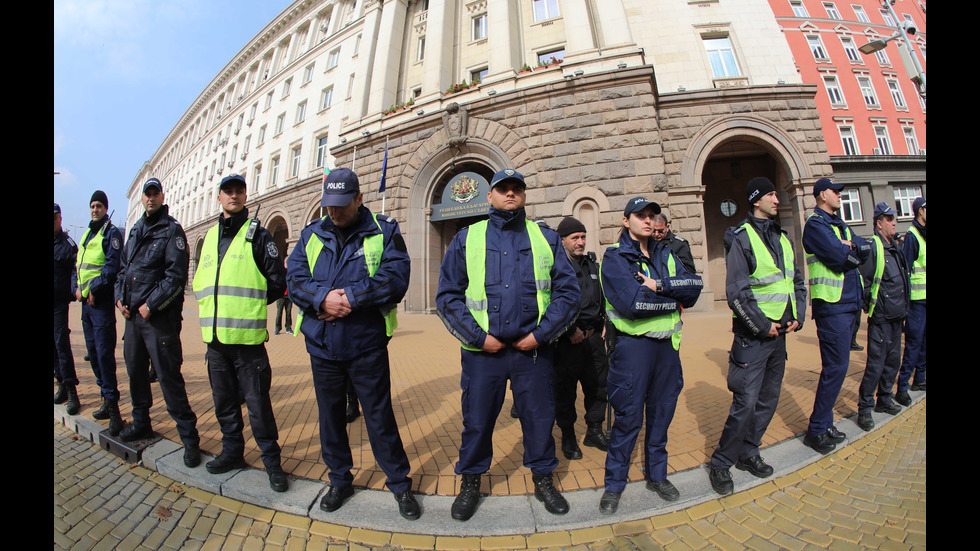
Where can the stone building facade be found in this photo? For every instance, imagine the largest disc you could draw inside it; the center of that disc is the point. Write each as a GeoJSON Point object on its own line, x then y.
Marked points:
{"type": "Point", "coordinates": [588, 133]}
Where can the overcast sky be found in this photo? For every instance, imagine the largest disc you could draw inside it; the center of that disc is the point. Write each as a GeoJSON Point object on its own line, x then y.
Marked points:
{"type": "Point", "coordinates": [125, 71]}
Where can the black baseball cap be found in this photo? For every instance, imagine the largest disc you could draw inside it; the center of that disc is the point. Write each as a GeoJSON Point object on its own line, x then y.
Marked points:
{"type": "Point", "coordinates": [339, 188]}
{"type": "Point", "coordinates": [824, 184]}
{"type": "Point", "coordinates": [639, 203]}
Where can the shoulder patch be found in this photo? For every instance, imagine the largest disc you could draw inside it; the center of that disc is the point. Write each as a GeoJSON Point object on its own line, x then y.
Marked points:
{"type": "Point", "coordinates": [385, 218]}
{"type": "Point", "coordinates": [181, 245]}
{"type": "Point", "coordinates": [679, 238]}
{"type": "Point", "coordinates": [271, 249]}
{"type": "Point", "coordinates": [116, 244]}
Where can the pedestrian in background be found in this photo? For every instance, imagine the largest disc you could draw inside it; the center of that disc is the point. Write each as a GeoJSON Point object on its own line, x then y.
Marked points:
{"type": "Point", "coordinates": [677, 244]}
{"type": "Point", "coordinates": [767, 294]}
{"type": "Point", "coordinates": [645, 288]}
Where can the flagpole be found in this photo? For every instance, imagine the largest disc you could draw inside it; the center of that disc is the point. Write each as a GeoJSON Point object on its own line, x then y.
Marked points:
{"type": "Point", "coordinates": [353, 159]}
{"type": "Point", "coordinates": [384, 167]}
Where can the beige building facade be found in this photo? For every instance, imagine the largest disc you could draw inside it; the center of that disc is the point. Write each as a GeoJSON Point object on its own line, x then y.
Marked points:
{"type": "Point", "coordinates": [594, 102]}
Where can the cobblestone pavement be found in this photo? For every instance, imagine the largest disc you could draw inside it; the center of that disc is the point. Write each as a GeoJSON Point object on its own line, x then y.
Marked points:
{"type": "Point", "coordinates": [869, 494]}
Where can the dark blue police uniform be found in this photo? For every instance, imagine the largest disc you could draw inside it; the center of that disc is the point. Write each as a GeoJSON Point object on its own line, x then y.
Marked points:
{"type": "Point", "coordinates": [154, 273]}
{"type": "Point", "coordinates": [65, 283]}
{"type": "Point", "coordinates": [354, 346]}
{"type": "Point", "coordinates": [644, 373]}
{"type": "Point", "coordinates": [513, 313]}
{"type": "Point", "coordinates": [913, 369]}
{"type": "Point", "coordinates": [834, 320]}
{"type": "Point", "coordinates": [99, 320]}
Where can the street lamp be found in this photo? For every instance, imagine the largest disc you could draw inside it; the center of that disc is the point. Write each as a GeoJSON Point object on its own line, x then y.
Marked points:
{"type": "Point", "coordinates": [905, 51]}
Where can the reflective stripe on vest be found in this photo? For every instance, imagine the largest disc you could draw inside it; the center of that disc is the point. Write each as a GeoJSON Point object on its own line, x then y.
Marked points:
{"type": "Point", "coordinates": [476, 271]}
{"type": "Point", "coordinates": [772, 287]}
{"type": "Point", "coordinates": [661, 326]}
{"type": "Point", "coordinates": [373, 246]}
{"type": "Point", "coordinates": [90, 261]}
{"type": "Point", "coordinates": [879, 271]}
{"type": "Point", "coordinates": [826, 284]}
{"type": "Point", "coordinates": [237, 313]}
{"type": "Point", "coordinates": [919, 267]}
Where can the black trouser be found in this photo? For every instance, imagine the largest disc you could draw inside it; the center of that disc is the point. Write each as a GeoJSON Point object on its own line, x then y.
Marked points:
{"type": "Point", "coordinates": [755, 377]}
{"type": "Point", "coordinates": [584, 363]}
{"type": "Point", "coordinates": [156, 342]}
{"type": "Point", "coordinates": [64, 362]}
{"type": "Point", "coordinates": [881, 369]}
{"type": "Point", "coordinates": [284, 304]}
{"type": "Point", "coordinates": [243, 367]}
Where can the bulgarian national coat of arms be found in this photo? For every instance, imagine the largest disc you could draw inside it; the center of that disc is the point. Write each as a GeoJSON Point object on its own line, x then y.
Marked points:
{"type": "Point", "coordinates": [464, 189]}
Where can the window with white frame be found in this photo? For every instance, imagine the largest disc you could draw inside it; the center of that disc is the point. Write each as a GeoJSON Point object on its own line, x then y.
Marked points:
{"type": "Point", "coordinates": [257, 173]}
{"type": "Point", "coordinates": [421, 49]}
{"type": "Point", "coordinates": [852, 52]}
{"type": "Point", "coordinates": [478, 75]}
{"type": "Point", "coordinates": [850, 205]}
{"type": "Point", "coordinates": [816, 47]}
{"type": "Point", "coordinates": [545, 9]}
{"type": "Point", "coordinates": [286, 86]}
{"type": "Point", "coordinates": [280, 124]}
{"type": "Point", "coordinates": [479, 27]}
{"type": "Point", "coordinates": [261, 139]}
{"type": "Point", "coordinates": [896, 92]}
{"type": "Point", "coordinates": [911, 142]}
{"type": "Point", "coordinates": [882, 58]}
{"type": "Point", "coordinates": [333, 59]}
{"type": "Point", "coordinates": [350, 86]}
{"type": "Point", "coordinates": [834, 91]}
{"type": "Point", "coordinates": [881, 138]}
{"type": "Point", "coordinates": [321, 151]}
{"type": "Point", "coordinates": [868, 91]}
{"type": "Point", "coordinates": [904, 196]}
{"type": "Point", "coordinates": [889, 20]}
{"type": "Point", "coordinates": [831, 9]}
{"type": "Point", "coordinates": [273, 171]}
{"type": "Point", "coordinates": [308, 73]}
{"type": "Point", "coordinates": [721, 56]}
{"type": "Point", "coordinates": [268, 99]}
{"type": "Point", "coordinates": [547, 58]}
{"type": "Point", "coordinates": [860, 14]}
{"type": "Point", "coordinates": [326, 97]}
{"type": "Point", "coordinates": [848, 141]}
{"type": "Point", "coordinates": [301, 112]}
{"type": "Point", "coordinates": [295, 161]}
{"type": "Point", "coordinates": [799, 10]}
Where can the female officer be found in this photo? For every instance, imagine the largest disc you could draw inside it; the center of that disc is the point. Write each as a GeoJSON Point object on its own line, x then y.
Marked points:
{"type": "Point", "coordinates": [645, 287]}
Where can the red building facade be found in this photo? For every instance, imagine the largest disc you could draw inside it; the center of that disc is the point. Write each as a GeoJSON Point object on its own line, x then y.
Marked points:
{"type": "Point", "coordinates": [872, 105]}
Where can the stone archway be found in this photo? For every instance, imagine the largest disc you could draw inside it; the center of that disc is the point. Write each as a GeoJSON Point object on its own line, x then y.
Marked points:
{"type": "Point", "coordinates": [720, 160]}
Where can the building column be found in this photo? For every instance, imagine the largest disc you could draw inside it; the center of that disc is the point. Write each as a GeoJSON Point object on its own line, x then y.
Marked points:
{"type": "Point", "coordinates": [360, 95]}
{"type": "Point", "coordinates": [383, 89]}
{"type": "Point", "coordinates": [503, 40]}
{"type": "Point", "coordinates": [438, 65]}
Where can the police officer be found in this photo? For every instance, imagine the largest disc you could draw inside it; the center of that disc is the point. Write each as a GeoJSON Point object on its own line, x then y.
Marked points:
{"type": "Point", "coordinates": [914, 358]}
{"type": "Point", "coordinates": [833, 254]}
{"type": "Point", "coordinates": [645, 288]}
{"type": "Point", "coordinates": [580, 354]}
{"type": "Point", "coordinates": [507, 291]}
{"type": "Point", "coordinates": [65, 283]}
{"type": "Point", "coordinates": [240, 273]}
{"type": "Point", "coordinates": [886, 300]}
{"type": "Point", "coordinates": [677, 245]}
{"type": "Point", "coordinates": [150, 296]}
{"type": "Point", "coordinates": [767, 294]}
{"type": "Point", "coordinates": [97, 268]}
{"type": "Point", "coordinates": [347, 273]}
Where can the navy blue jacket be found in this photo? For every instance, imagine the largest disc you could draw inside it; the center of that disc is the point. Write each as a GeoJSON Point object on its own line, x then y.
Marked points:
{"type": "Point", "coordinates": [65, 272]}
{"type": "Point", "coordinates": [511, 293]}
{"type": "Point", "coordinates": [103, 284]}
{"type": "Point", "coordinates": [635, 301]}
{"type": "Point", "coordinates": [341, 265]}
{"type": "Point", "coordinates": [894, 289]}
{"type": "Point", "coordinates": [820, 241]}
{"type": "Point", "coordinates": [154, 264]}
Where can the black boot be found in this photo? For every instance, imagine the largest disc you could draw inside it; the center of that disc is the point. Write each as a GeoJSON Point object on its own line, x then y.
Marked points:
{"type": "Point", "coordinates": [72, 404]}
{"type": "Point", "coordinates": [115, 421]}
{"type": "Point", "coordinates": [569, 445]}
{"type": "Point", "coordinates": [61, 395]}
{"type": "Point", "coordinates": [469, 496]}
{"type": "Point", "coordinates": [103, 412]}
{"type": "Point", "coordinates": [353, 412]}
{"type": "Point", "coordinates": [596, 437]}
{"type": "Point", "coordinates": [545, 491]}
